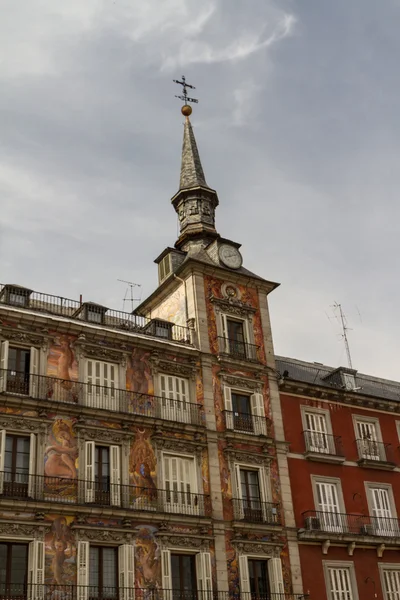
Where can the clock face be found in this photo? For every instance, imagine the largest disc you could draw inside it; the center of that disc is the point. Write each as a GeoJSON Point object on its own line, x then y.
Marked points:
{"type": "Point", "coordinates": [230, 256]}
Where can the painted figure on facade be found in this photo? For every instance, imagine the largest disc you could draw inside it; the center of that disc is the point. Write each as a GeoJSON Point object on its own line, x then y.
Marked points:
{"type": "Point", "coordinates": [138, 373]}
{"type": "Point", "coordinates": [60, 552]}
{"type": "Point", "coordinates": [142, 467]}
{"type": "Point", "coordinates": [148, 567]}
{"type": "Point", "coordinates": [61, 454]}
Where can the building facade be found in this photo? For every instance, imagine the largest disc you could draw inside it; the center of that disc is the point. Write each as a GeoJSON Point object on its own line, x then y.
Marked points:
{"type": "Point", "coordinates": [344, 466]}
{"type": "Point", "coordinates": [143, 455]}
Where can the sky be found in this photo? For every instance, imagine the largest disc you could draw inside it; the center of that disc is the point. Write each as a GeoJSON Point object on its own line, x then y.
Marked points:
{"type": "Point", "coordinates": [298, 131]}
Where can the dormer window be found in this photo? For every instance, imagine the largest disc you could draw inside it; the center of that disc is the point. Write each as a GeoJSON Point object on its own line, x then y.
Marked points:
{"type": "Point", "coordinates": [93, 315]}
{"type": "Point", "coordinates": [16, 295]}
{"type": "Point", "coordinates": [343, 378]}
{"type": "Point", "coordinates": [164, 268]}
{"type": "Point", "coordinates": [160, 328]}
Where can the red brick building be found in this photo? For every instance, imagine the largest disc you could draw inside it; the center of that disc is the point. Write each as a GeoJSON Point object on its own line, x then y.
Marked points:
{"type": "Point", "coordinates": [342, 430]}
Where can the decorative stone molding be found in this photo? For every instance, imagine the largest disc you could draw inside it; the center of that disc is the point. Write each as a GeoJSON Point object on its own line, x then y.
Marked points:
{"type": "Point", "coordinates": [259, 548]}
{"type": "Point", "coordinates": [187, 370]}
{"type": "Point", "coordinates": [380, 550]}
{"type": "Point", "coordinates": [27, 530]}
{"type": "Point", "coordinates": [184, 541]}
{"type": "Point", "coordinates": [250, 384]}
{"type": "Point", "coordinates": [112, 436]}
{"type": "Point", "coordinates": [22, 337]}
{"type": "Point", "coordinates": [100, 352]}
{"type": "Point", "coordinates": [179, 445]}
{"type": "Point", "coordinates": [23, 424]}
{"type": "Point", "coordinates": [233, 306]}
{"type": "Point", "coordinates": [325, 546]}
{"type": "Point", "coordinates": [112, 536]}
{"type": "Point", "coordinates": [230, 291]}
{"type": "Point", "coordinates": [242, 456]}
{"type": "Point", "coordinates": [350, 548]}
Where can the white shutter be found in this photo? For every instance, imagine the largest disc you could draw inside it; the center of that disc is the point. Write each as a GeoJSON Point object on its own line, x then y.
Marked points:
{"type": "Point", "coordinates": [36, 570]}
{"type": "Point", "coordinates": [89, 380]}
{"type": "Point", "coordinates": [203, 573]}
{"type": "Point", "coordinates": [382, 512]}
{"type": "Point", "coordinates": [174, 393]}
{"type": "Point", "coordinates": [223, 341]}
{"type": "Point", "coordinates": [166, 574]}
{"type": "Point", "coordinates": [316, 426]}
{"type": "Point", "coordinates": [83, 571]}
{"type": "Point", "coordinates": [32, 466]}
{"type": "Point", "coordinates": [33, 372]}
{"type": "Point", "coordinates": [89, 471]}
{"type": "Point", "coordinates": [2, 457]}
{"type": "Point", "coordinates": [275, 576]}
{"type": "Point", "coordinates": [115, 475]}
{"type": "Point", "coordinates": [391, 580]}
{"type": "Point", "coordinates": [328, 503]}
{"type": "Point", "coordinates": [340, 585]}
{"type": "Point", "coordinates": [126, 567]}
{"type": "Point", "coordinates": [228, 407]}
{"type": "Point", "coordinates": [244, 575]}
{"type": "Point", "coordinates": [369, 448]}
{"type": "Point", "coordinates": [258, 412]}
{"type": "Point", "coordinates": [239, 508]}
{"type": "Point", "coordinates": [268, 512]}
{"type": "Point", "coordinates": [3, 365]}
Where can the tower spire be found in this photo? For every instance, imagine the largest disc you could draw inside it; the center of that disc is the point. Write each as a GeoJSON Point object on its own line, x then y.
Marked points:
{"type": "Point", "coordinates": [195, 202]}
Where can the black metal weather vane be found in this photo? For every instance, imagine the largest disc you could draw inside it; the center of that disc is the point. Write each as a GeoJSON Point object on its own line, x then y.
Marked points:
{"type": "Point", "coordinates": [185, 98]}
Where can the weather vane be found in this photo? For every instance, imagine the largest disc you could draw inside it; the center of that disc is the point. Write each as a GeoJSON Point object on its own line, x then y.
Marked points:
{"type": "Point", "coordinates": [186, 109]}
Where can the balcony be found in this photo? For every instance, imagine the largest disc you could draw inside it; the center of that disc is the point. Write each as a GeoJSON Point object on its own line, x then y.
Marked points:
{"type": "Point", "coordinates": [245, 423]}
{"type": "Point", "coordinates": [326, 524]}
{"type": "Point", "coordinates": [104, 493]}
{"type": "Point", "coordinates": [238, 350]}
{"type": "Point", "coordinates": [323, 447]}
{"type": "Point", "coordinates": [99, 397]}
{"type": "Point", "coordinates": [255, 511]}
{"type": "Point", "coordinates": [91, 592]}
{"type": "Point", "coordinates": [375, 455]}
{"type": "Point", "coordinates": [22, 298]}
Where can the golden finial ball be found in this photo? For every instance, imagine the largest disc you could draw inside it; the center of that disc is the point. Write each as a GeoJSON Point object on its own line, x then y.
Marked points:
{"type": "Point", "coordinates": [186, 110]}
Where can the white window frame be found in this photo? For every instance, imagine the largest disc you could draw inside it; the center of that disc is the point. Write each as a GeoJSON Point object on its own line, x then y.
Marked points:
{"type": "Point", "coordinates": [275, 575]}
{"type": "Point", "coordinates": [35, 364]}
{"type": "Point", "coordinates": [320, 448]}
{"type": "Point", "coordinates": [366, 454]}
{"type": "Point", "coordinates": [349, 566]}
{"type": "Point", "coordinates": [248, 333]}
{"type": "Point", "coordinates": [257, 409]}
{"type": "Point", "coordinates": [104, 400]}
{"type": "Point", "coordinates": [35, 565]}
{"type": "Point", "coordinates": [116, 471]}
{"type": "Point", "coordinates": [203, 571]}
{"type": "Point", "coordinates": [126, 570]}
{"type": "Point", "coordinates": [264, 484]}
{"type": "Point", "coordinates": [33, 491]}
{"type": "Point", "coordinates": [332, 521]}
{"type": "Point", "coordinates": [169, 506]}
{"type": "Point", "coordinates": [394, 567]}
{"type": "Point", "coordinates": [380, 525]}
{"type": "Point", "coordinates": [173, 406]}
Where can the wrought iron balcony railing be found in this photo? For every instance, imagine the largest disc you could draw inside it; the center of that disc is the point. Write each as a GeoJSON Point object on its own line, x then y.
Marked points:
{"type": "Point", "coordinates": [238, 349]}
{"type": "Point", "coordinates": [253, 510]}
{"type": "Point", "coordinates": [370, 451]}
{"type": "Point", "coordinates": [318, 521]}
{"type": "Point", "coordinates": [102, 492]}
{"type": "Point", "coordinates": [92, 313]}
{"type": "Point", "coordinates": [100, 397]}
{"type": "Point", "coordinates": [245, 423]}
{"type": "Point", "coordinates": [17, 591]}
{"type": "Point", "coordinates": [323, 443]}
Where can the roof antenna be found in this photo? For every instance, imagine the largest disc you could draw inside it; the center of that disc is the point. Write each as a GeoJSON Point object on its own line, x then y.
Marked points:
{"type": "Point", "coordinates": [131, 285]}
{"type": "Point", "coordinates": [343, 323]}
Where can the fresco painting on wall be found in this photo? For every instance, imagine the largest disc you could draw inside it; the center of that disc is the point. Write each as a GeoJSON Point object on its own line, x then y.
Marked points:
{"type": "Point", "coordinates": [60, 552]}
{"type": "Point", "coordinates": [61, 459]}
{"type": "Point", "coordinates": [226, 484]}
{"type": "Point", "coordinates": [142, 470]}
{"type": "Point", "coordinates": [62, 366]}
{"type": "Point", "coordinates": [233, 569]}
{"type": "Point", "coordinates": [173, 308]}
{"type": "Point", "coordinates": [148, 560]}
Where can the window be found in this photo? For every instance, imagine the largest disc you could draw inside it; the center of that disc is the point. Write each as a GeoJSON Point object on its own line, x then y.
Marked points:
{"type": "Point", "coordinates": [390, 578]}
{"type": "Point", "coordinates": [252, 496]}
{"type": "Point", "coordinates": [17, 464]}
{"type": "Point", "coordinates": [340, 581]}
{"type": "Point", "coordinates": [328, 505]}
{"type": "Point", "coordinates": [382, 510]}
{"type": "Point", "coordinates": [102, 474]}
{"type": "Point", "coordinates": [105, 572]}
{"type": "Point", "coordinates": [102, 388]}
{"type": "Point", "coordinates": [13, 569]}
{"type": "Point", "coordinates": [369, 447]}
{"type": "Point", "coordinates": [175, 405]}
{"type": "Point", "coordinates": [235, 338]}
{"type": "Point", "coordinates": [164, 268]}
{"type": "Point", "coordinates": [316, 429]}
{"type": "Point", "coordinates": [259, 578]}
{"type": "Point", "coordinates": [245, 412]}
{"type": "Point", "coordinates": [180, 485]}
{"type": "Point", "coordinates": [19, 368]}
{"type": "Point", "coordinates": [188, 576]}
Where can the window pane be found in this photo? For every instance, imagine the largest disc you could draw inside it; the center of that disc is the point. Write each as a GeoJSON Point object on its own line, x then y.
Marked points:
{"type": "Point", "coordinates": [94, 566]}
{"type": "Point", "coordinates": [109, 568]}
{"type": "Point", "coordinates": [19, 563]}
{"type": "Point", "coordinates": [3, 562]}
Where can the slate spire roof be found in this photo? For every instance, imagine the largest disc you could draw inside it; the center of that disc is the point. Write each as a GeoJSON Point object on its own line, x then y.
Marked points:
{"type": "Point", "coordinates": [192, 174]}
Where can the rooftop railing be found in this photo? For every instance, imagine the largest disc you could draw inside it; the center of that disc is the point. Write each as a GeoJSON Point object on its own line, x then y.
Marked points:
{"type": "Point", "coordinates": [92, 313]}
{"type": "Point", "coordinates": [253, 510]}
{"type": "Point", "coordinates": [245, 423]}
{"type": "Point", "coordinates": [323, 443]}
{"type": "Point", "coordinates": [102, 492]}
{"type": "Point", "coordinates": [100, 397]}
{"type": "Point", "coordinates": [238, 349]}
{"type": "Point", "coordinates": [318, 521]}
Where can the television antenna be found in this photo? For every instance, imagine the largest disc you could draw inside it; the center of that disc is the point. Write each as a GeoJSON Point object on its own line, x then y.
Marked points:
{"type": "Point", "coordinates": [343, 323]}
{"type": "Point", "coordinates": [130, 299]}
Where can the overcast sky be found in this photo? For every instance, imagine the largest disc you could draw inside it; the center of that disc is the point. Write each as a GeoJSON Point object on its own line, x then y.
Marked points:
{"type": "Point", "coordinates": [298, 130]}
